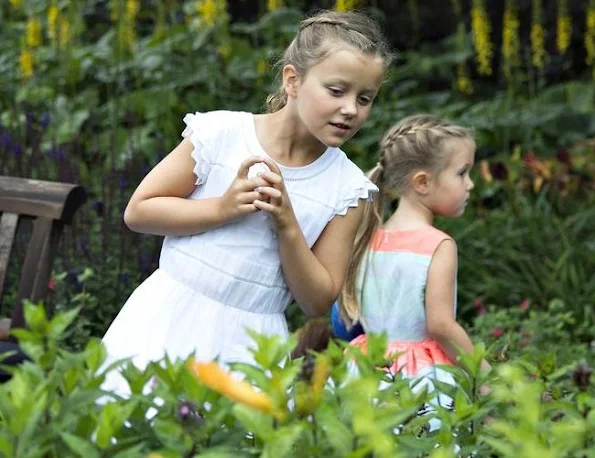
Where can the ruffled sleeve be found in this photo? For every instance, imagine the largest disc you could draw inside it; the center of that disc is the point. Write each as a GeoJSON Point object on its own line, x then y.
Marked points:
{"type": "Point", "coordinates": [359, 187]}
{"type": "Point", "coordinates": [200, 128]}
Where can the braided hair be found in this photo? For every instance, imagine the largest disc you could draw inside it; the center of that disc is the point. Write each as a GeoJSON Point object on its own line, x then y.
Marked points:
{"type": "Point", "coordinates": [320, 34]}
{"type": "Point", "coordinates": [415, 143]}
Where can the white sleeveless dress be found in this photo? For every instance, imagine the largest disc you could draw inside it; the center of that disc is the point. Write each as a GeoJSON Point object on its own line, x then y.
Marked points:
{"type": "Point", "coordinates": [211, 287]}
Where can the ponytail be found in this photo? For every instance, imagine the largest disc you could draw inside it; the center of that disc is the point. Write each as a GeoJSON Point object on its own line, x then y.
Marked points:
{"type": "Point", "coordinates": [276, 100]}
{"type": "Point", "coordinates": [349, 303]}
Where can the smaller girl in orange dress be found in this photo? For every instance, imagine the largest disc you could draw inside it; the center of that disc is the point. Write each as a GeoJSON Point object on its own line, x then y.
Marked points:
{"type": "Point", "coordinates": [402, 278]}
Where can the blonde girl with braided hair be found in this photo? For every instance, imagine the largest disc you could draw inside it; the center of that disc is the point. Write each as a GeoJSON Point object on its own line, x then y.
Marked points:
{"type": "Point", "coordinates": [256, 209]}
{"type": "Point", "coordinates": [402, 278]}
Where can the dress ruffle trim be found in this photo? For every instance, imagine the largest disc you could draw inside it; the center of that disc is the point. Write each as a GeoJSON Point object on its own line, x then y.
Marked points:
{"type": "Point", "coordinates": [365, 190]}
{"type": "Point", "coordinates": [196, 131]}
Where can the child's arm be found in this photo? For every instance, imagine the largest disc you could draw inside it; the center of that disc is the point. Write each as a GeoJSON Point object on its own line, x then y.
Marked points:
{"type": "Point", "coordinates": [440, 310]}
{"type": "Point", "coordinates": [159, 205]}
{"type": "Point", "coordinates": [314, 276]}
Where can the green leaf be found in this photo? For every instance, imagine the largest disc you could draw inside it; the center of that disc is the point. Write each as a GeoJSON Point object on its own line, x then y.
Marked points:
{"type": "Point", "coordinates": [282, 442]}
{"type": "Point", "coordinates": [61, 321]}
{"type": "Point", "coordinates": [80, 446]}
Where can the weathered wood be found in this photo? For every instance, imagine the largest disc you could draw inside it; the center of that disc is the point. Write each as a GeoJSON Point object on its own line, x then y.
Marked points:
{"type": "Point", "coordinates": [50, 205]}
{"type": "Point", "coordinates": [37, 268]}
{"type": "Point", "coordinates": [47, 199]}
{"type": "Point", "coordinates": [8, 226]}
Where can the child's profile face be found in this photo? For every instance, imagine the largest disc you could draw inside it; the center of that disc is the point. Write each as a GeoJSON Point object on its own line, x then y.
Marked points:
{"type": "Point", "coordinates": [335, 96]}
{"type": "Point", "coordinates": [452, 186]}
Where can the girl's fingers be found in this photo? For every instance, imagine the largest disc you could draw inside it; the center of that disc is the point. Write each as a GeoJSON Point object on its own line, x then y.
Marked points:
{"type": "Point", "coordinates": [249, 197]}
{"type": "Point", "coordinates": [245, 166]}
{"type": "Point", "coordinates": [248, 208]}
{"type": "Point", "coordinates": [273, 193]}
{"type": "Point", "coordinates": [272, 178]}
{"type": "Point", "coordinates": [264, 206]}
{"type": "Point", "coordinates": [272, 165]}
{"type": "Point", "coordinates": [253, 183]}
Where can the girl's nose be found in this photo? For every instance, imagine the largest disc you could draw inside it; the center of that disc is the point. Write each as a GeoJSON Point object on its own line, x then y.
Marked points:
{"type": "Point", "coordinates": [349, 107]}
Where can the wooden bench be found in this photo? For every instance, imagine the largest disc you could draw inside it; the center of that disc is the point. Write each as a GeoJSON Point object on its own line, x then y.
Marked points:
{"type": "Point", "coordinates": [47, 207]}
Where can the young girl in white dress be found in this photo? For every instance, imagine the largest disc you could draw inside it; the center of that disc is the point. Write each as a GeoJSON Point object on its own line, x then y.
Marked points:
{"type": "Point", "coordinates": [403, 275]}
{"type": "Point", "coordinates": [255, 209]}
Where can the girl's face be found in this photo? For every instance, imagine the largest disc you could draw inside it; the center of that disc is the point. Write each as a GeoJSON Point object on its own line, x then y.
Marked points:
{"type": "Point", "coordinates": [452, 186]}
{"type": "Point", "coordinates": [335, 96]}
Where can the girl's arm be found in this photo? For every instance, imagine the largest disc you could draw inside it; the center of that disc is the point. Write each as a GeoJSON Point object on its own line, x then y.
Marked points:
{"type": "Point", "coordinates": [440, 309]}
{"type": "Point", "coordinates": [314, 276]}
{"type": "Point", "coordinates": [159, 205]}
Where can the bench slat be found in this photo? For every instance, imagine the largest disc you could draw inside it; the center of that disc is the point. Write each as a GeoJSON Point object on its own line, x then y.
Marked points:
{"type": "Point", "coordinates": [36, 270]}
{"type": "Point", "coordinates": [8, 226]}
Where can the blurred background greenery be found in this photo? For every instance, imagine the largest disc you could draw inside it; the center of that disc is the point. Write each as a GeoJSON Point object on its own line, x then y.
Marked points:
{"type": "Point", "coordinates": [94, 92]}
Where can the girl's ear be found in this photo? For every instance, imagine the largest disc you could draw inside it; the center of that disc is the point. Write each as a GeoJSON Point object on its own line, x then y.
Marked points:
{"type": "Point", "coordinates": [290, 80]}
{"type": "Point", "coordinates": [421, 182]}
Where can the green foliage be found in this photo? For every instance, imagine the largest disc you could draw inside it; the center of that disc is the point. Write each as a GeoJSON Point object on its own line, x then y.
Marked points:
{"type": "Point", "coordinates": [53, 406]}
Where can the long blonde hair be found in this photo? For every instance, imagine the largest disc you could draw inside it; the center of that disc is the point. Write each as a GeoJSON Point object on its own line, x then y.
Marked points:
{"type": "Point", "coordinates": [415, 143]}
{"type": "Point", "coordinates": [319, 34]}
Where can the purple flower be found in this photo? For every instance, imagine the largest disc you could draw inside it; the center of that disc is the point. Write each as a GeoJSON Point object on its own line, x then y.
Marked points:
{"type": "Point", "coordinates": [189, 414]}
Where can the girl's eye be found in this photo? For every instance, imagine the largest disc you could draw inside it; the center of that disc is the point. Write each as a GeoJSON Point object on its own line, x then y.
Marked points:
{"type": "Point", "coordinates": [365, 100]}
{"type": "Point", "coordinates": [335, 91]}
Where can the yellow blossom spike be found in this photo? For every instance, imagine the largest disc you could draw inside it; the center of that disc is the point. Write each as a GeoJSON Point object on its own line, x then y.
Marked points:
{"type": "Point", "coordinates": [65, 31]}
{"type": "Point", "coordinates": [221, 381]}
{"type": "Point", "coordinates": [590, 35]}
{"type": "Point", "coordinates": [53, 15]}
{"type": "Point", "coordinates": [537, 35]}
{"type": "Point", "coordinates": [16, 3]}
{"type": "Point", "coordinates": [482, 29]}
{"type": "Point", "coordinates": [26, 63]}
{"type": "Point", "coordinates": [272, 5]}
{"type": "Point", "coordinates": [563, 27]}
{"type": "Point", "coordinates": [33, 36]}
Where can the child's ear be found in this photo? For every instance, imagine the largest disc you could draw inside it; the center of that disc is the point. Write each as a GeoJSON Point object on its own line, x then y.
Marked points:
{"type": "Point", "coordinates": [290, 80]}
{"type": "Point", "coordinates": [421, 182]}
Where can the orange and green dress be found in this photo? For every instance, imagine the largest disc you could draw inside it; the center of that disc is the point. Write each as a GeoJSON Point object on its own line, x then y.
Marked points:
{"type": "Point", "coordinates": [392, 293]}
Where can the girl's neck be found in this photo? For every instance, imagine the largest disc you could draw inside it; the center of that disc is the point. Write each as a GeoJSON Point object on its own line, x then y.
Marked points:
{"type": "Point", "coordinates": [409, 215]}
{"type": "Point", "coordinates": [284, 137]}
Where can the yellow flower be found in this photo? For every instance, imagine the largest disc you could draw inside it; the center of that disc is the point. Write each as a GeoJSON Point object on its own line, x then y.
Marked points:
{"type": "Point", "coordinates": [538, 45]}
{"type": "Point", "coordinates": [211, 10]}
{"type": "Point", "coordinates": [16, 3]}
{"type": "Point", "coordinates": [53, 15]}
{"type": "Point", "coordinates": [272, 5]}
{"type": "Point", "coordinates": [26, 63]}
{"type": "Point", "coordinates": [221, 381]}
{"type": "Point", "coordinates": [590, 34]}
{"type": "Point", "coordinates": [345, 5]}
{"type": "Point", "coordinates": [537, 35]}
{"type": "Point", "coordinates": [463, 82]}
{"type": "Point", "coordinates": [132, 8]}
{"type": "Point", "coordinates": [65, 32]}
{"type": "Point", "coordinates": [224, 50]}
{"type": "Point", "coordinates": [510, 39]}
{"type": "Point", "coordinates": [481, 27]}
{"type": "Point", "coordinates": [33, 37]}
{"type": "Point", "coordinates": [564, 27]}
